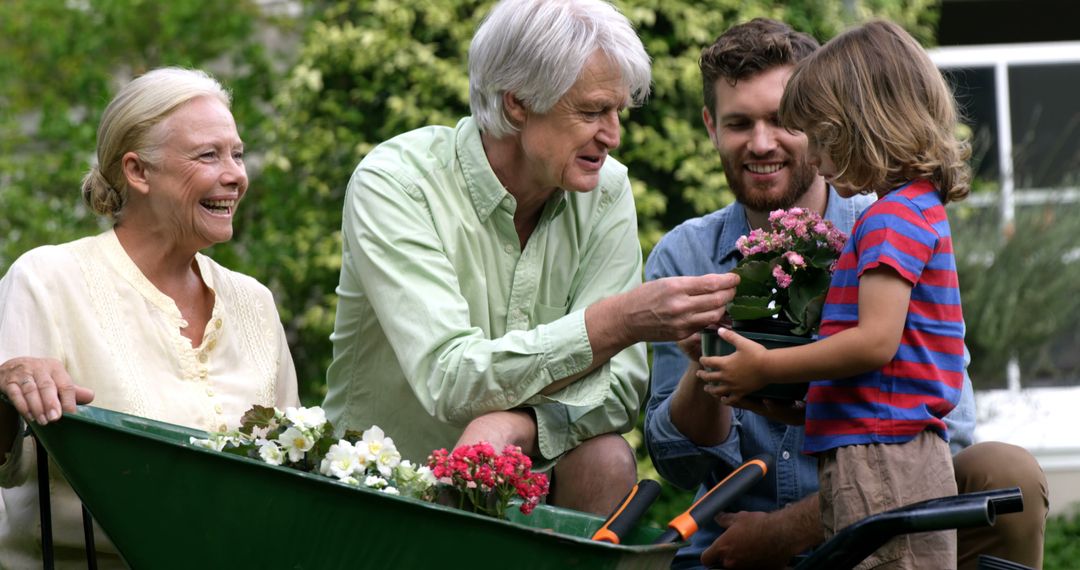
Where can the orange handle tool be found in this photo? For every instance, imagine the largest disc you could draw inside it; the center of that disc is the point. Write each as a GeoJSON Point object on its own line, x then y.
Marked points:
{"type": "Point", "coordinates": [707, 507]}
{"type": "Point", "coordinates": [629, 511]}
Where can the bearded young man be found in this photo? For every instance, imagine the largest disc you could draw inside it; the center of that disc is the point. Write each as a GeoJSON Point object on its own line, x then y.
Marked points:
{"type": "Point", "coordinates": [693, 439]}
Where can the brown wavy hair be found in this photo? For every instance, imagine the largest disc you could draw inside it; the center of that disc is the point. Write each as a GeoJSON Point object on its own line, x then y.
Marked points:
{"type": "Point", "coordinates": [873, 100]}
{"type": "Point", "coordinates": [748, 49]}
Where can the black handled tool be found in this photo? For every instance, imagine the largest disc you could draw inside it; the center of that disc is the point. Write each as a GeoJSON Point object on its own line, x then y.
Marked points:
{"type": "Point", "coordinates": [629, 511]}
{"type": "Point", "coordinates": [710, 504]}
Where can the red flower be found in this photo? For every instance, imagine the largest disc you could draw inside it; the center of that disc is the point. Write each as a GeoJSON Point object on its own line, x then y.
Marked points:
{"type": "Point", "coordinates": [479, 473]}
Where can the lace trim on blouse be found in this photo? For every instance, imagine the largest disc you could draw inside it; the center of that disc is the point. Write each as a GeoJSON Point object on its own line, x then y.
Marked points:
{"type": "Point", "coordinates": [105, 298]}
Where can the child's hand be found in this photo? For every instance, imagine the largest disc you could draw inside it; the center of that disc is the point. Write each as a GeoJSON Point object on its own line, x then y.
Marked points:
{"type": "Point", "coordinates": [733, 376]}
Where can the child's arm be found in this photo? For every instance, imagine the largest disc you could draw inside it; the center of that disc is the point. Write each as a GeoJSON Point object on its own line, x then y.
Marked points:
{"type": "Point", "coordinates": [884, 297]}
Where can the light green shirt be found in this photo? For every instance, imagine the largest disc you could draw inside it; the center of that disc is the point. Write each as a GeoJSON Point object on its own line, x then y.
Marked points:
{"type": "Point", "coordinates": [443, 317]}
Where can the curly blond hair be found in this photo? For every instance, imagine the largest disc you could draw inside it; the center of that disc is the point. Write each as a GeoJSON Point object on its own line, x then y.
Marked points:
{"type": "Point", "coordinates": [873, 100]}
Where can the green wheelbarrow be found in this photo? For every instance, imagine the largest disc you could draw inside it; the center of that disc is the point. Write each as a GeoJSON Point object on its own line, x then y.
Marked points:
{"type": "Point", "coordinates": [168, 504]}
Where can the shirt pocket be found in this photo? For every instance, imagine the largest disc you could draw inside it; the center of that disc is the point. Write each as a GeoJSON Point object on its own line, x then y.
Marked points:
{"type": "Point", "coordinates": [546, 313]}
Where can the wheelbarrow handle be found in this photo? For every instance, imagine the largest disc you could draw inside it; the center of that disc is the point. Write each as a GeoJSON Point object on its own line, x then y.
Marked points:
{"type": "Point", "coordinates": [720, 496]}
{"type": "Point", "coordinates": [629, 511]}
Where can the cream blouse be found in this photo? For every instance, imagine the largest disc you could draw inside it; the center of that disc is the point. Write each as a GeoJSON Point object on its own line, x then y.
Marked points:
{"type": "Point", "coordinates": [88, 305]}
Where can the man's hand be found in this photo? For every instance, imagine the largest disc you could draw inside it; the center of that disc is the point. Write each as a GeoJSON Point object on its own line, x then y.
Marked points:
{"type": "Point", "coordinates": [674, 308]}
{"type": "Point", "coordinates": [748, 542]}
{"type": "Point", "coordinates": [40, 388]}
{"type": "Point", "coordinates": [790, 412]}
{"type": "Point", "coordinates": [765, 540]}
{"type": "Point", "coordinates": [691, 346]}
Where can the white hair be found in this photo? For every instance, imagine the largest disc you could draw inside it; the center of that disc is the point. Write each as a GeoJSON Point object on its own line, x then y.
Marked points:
{"type": "Point", "coordinates": [536, 50]}
{"type": "Point", "coordinates": [127, 126]}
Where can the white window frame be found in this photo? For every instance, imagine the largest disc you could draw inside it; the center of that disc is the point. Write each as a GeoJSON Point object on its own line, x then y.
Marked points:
{"type": "Point", "coordinates": [1001, 57]}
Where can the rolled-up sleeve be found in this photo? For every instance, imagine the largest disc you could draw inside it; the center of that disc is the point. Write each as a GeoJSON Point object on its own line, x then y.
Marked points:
{"type": "Point", "coordinates": [425, 304]}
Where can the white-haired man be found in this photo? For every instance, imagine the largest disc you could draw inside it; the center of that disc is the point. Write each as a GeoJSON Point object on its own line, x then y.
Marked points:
{"type": "Point", "coordinates": [491, 273]}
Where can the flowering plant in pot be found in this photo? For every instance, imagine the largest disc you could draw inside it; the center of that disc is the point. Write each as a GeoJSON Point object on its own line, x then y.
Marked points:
{"type": "Point", "coordinates": [303, 439]}
{"type": "Point", "coordinates": [484, 481]}
{"type": "Point", "coordinates": [783, 278]}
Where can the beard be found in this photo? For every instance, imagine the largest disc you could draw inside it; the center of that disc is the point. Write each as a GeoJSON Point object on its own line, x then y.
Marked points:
{"type": "Point", "coordinates": [756, 197]}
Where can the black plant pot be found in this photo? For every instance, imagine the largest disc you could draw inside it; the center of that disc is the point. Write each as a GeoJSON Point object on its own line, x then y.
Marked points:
{"type": "Point", "coordinates": [759, 331]}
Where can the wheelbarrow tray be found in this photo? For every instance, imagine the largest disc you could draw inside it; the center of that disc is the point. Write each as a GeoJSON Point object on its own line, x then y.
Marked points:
{"type": "Point", "coordinates": [168, 504]}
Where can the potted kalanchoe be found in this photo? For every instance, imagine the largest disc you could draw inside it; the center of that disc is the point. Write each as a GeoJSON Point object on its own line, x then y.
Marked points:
{"type": "Point", "coordinates": [785, 273]}
{"type": "Point", "coordinates": [476, 478]}
{"type": "Point", "coordinates": [784, 277]}
{"type": "Point", "coordinates": [303, 439]}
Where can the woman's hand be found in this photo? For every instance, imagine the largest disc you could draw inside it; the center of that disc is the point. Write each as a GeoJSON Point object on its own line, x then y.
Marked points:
{"type": "Point", "coordinates": [40, 388]}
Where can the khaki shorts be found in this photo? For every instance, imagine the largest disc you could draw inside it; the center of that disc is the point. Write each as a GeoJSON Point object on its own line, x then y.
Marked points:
{"type": "Point", "coordinates": [861, 480]}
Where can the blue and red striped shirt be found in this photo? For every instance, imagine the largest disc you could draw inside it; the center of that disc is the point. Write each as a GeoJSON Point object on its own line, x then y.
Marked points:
{"type": "Point", "coordinates": [908, 231]}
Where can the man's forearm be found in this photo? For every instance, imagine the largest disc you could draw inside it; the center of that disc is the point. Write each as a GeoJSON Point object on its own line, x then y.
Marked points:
{"type": "Point", "coordinates": [696, 414]}
{"type": "Point", "coordinates": [800, 523]}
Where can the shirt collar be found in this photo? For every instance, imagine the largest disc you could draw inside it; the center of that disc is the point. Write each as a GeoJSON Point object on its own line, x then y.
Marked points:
{"type": "Point", "coordinates": [735, 227]}
{"type": "Point", "coordinates": [485, 189]}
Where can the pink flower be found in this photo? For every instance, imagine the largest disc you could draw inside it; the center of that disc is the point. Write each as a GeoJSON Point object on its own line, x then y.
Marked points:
{"type": "Point", "coordinates": [796, 249]}
{"type": "Point", "coordinates": [794, 259]}
{"type": "Point", "coordinates": [783, 280]}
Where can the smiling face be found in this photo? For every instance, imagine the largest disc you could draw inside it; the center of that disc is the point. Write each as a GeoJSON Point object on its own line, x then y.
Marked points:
{"type": "Point", "coordinates": [765, 164]}
{"type": "Point", "coordinates": [199, 178]}
{"type": "Point", "coordinates": [566, 146]}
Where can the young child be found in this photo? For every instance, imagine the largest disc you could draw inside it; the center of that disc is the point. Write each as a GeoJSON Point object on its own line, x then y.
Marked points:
{"type": "Point", "coordinates": [889, 361]}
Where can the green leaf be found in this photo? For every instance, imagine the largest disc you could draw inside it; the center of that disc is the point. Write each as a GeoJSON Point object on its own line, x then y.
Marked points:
{"type": "Point", "coordinates": [755, 279]}
{"type": "Point", "coordinates": [353, 436]}
{"type": "Point", "coordinates": [750, 308]}
{"type": "Point", "coordinates": [823, 258]}
{"type": "Point", "coordinates": [241, 450]}
{"type": "Point", "coordinates": [805, 298]}
{"type": "Point", "coordinates": [257, 416]}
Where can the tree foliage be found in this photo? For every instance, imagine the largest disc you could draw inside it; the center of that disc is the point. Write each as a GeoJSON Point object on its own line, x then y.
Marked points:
{"type": "Point", "coordinates": [61, 62]}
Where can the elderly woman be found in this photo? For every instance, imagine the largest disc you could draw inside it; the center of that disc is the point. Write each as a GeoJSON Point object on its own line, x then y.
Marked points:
{"type": "Point", "coordinates": [142, 321]}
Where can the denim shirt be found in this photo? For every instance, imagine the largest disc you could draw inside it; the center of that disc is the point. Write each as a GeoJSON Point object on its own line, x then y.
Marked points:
{"type": "Point", "coordinates": [707, 245]}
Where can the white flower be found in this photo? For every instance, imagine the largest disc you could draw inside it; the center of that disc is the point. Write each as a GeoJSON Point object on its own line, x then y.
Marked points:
{"type": "Point", "coordinates": [296, 442]}
{"type": "Point", "coordinates": [271, 453]}
{"type": "Point", "coordinates": [375, 482]}
{"type": "Point", "coordinates": [306, 418]}
{"type": "Point", "coordinates": [342, 460]}
{"type": "Point", "coordinates": [388, 459]}
{"type": "Point", "coordinates": [351, 481]}
{"type": "Point", "coordinates": [391, 491]}
{"type": "Point", "coordinates": [426, 476]}
{"type": "Point", "coordinates": [214, 443]}
{"type": "Point", "coordinates": [366, 457]}
{"type": "Point", "coordinates": [375, 440]}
